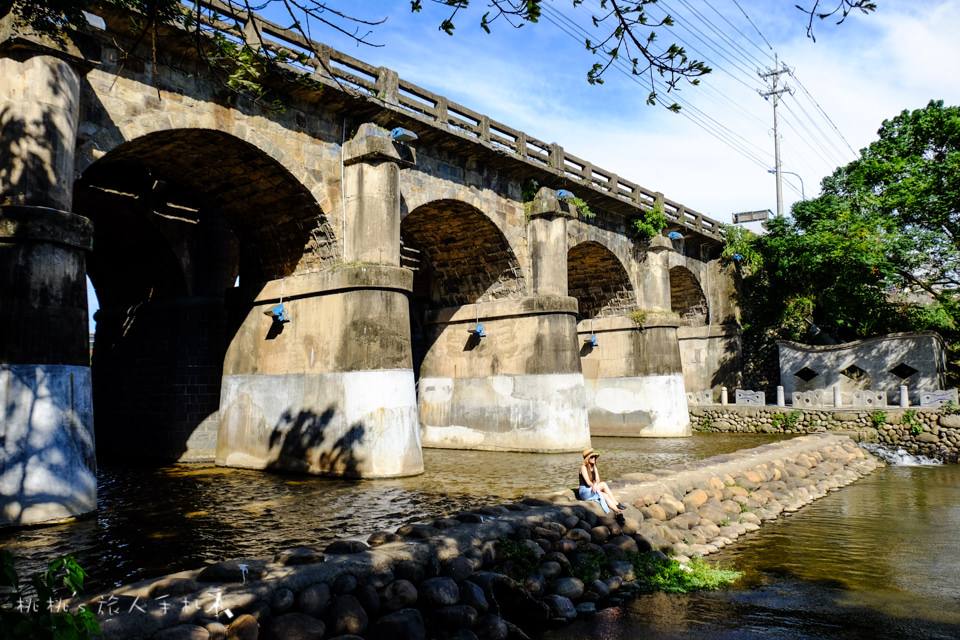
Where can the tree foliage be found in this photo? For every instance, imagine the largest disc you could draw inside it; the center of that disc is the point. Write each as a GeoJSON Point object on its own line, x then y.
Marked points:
{"type": "Point", "coordinates": [877, 251]}
{"type": "Point", "coordinates": [626, 34]}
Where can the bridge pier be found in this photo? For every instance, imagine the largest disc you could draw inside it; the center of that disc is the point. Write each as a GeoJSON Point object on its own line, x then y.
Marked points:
{"type": "Point", "coordinates": [519, 388]}
{"type": "Point", "coordinates": [634, 379]}
{"type": "Point", "coordinates": [47, 454]}
{"type": "Point", "coordinates": [332, 391]}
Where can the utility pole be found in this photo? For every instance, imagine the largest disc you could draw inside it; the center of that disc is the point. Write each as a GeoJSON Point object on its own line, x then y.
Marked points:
{"type": "Point", "coordinates": [773, 90]}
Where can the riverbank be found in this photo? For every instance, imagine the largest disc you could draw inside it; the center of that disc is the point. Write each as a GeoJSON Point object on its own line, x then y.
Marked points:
{"type": "Point", "coordinates": [400, 584]}
{"type": "Point", "coordinates": [934, 433]}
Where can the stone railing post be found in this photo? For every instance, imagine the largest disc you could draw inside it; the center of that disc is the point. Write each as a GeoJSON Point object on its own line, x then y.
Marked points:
{"type": "Point", "coordinates": [388, 85]}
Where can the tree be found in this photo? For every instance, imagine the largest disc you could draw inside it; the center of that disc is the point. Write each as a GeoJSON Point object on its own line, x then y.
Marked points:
{"type": "Point", "coordinates": [877, 251]}
{"type": "Point", "coordinates": [626, 32]}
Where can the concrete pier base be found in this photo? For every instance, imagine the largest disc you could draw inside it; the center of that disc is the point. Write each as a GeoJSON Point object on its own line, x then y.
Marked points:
{"type": "Point", "coordinates": [332, 390]}
{"type": "Point", "coordinates": [642, 406]}
{"type": "Point", "coordinates": [48, 468]}
{"type": "Point", "coordinates": [353, 424]}
{"type": "Point", "coordinates": [633, 376]}
{"type": "Point", "coordinates": [538, 413]}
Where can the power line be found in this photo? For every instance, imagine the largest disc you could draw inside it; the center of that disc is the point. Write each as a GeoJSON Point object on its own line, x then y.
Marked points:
{"type": "Point", "coordinates": [751, 24]}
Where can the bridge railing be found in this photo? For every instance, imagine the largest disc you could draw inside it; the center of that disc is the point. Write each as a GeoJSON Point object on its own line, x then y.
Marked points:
{"type": "Point", "coordinates": [338, 70]}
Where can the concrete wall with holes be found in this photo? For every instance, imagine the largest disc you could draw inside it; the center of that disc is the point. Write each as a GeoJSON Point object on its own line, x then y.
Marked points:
{"type": "Point", "coordinates": [917, 360]}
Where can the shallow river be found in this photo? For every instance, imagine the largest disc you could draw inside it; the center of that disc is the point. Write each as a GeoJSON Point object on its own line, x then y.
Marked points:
{"type": "Point", "coordinates": [878, 559]}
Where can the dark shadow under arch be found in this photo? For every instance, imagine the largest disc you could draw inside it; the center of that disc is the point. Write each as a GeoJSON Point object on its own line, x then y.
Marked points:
{"type": "Point", "coordinates": [687, 299]}
{"type": "Point", "coordinates": [178, 216]}
{"type": "Point", "coordinates": [459, 257]}
{"type": "Point", "coordinates": [598, 280]}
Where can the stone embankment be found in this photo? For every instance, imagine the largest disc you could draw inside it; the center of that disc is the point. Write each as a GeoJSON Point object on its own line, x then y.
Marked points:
{"type": "Point", "coordinates": [495, 573]}
{"type": "Point", "coordinates": [934, 433]}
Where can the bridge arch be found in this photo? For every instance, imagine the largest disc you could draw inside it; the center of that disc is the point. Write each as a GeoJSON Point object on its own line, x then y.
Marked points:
{"type": "Point", "coordinates": [598, 280]}
{"type": "Point", "coordinates": [687, 298]}
{"type": "Point", "coordinates": [459, 255]}
{"type": "Point", "coordinates": [178, 215]}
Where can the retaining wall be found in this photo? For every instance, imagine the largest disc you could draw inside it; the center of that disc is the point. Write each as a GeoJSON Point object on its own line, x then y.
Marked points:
{"type": "Point", "coordinates": [457, 576]}
{"type": "Point", "coordinates": [934, 433]}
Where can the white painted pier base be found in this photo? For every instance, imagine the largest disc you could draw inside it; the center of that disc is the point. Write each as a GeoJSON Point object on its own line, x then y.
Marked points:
{"type": "Point", "coordinates": [354, 424]}
{"type": "Point", "coordinates": [48, 469]}
{"type": "Point", "coordinates": [539, 413]}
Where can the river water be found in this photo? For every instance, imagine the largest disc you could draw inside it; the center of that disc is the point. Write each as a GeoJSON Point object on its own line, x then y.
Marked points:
{"type": "Point", "coordinates": [877, 559]}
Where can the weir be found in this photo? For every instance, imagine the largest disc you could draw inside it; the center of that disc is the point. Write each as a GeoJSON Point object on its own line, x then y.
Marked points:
{"type": "Point", "coordinates": [446, 573]}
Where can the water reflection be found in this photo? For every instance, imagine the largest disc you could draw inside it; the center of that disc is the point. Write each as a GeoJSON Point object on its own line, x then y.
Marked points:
{"type": "Point", "coordinates": [152, 522]}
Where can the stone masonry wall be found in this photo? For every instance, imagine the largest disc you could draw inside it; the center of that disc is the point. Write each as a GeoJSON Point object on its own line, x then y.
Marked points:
{"type": "Point", "coordinates": [463, 576]}
{"type": "Point", "coordinates": [934, 433]}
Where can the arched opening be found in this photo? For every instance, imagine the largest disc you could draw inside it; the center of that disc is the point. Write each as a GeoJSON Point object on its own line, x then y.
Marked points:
{"type": "Point", "coordinates": [459, 257]}
{"type": "Point", "coordinates": [178, 216]}
{"type": "Point", "coordinates": [687, 299]}
{"type": "Point", "coordinates": [599, 282]}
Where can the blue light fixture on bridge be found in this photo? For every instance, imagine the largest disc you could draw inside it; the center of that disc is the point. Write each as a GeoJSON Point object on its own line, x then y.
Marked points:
{"type": "Point", "coordinates": [675, 235]}
{"type": "Point", "coordinates": [563, 194]}
{"type": "Point", "coordinates": [479, 331]}
{"type": "Point", "coordinates": [592, 340]}
{"type": "Point", "coordinates": [403, 135]}
{"type": "Point", "coordinates": [278, 314]}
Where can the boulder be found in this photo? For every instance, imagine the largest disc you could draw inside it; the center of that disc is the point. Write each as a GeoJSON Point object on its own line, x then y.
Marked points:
{"type": "Point", "coordinates": [298, 556]}
{"type": "Point", "coordinates": [183, 632]}
{"type": "Point", "coordinates": [293, 626]}
{"type": "Point", "coordinates": [471, 594]}
{"type": "Point", "coordinates": [438, 592]}
{"type": "Point", "coordinates": [346, 615]}
{"type": "Point", "coordinates": [560, 607]}
{"type": "Point", "coordinates": [346, 547]}
{"type": "Point", "coordinates": [571, 588]}
{"type": "Point", "coordinates": [404, 623]}
{"type": "Point", "coordinates": [314, 599]}
{"type": "Point", "coordinates": [400, 594]}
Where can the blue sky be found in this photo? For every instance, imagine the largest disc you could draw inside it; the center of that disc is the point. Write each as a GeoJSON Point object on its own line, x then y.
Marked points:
{"type": "Point", "coordinates": [534, 79]}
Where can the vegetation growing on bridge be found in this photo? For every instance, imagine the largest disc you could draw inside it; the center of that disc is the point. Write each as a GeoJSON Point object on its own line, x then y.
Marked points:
{"type": "Point", "coordinates": [878, 251]}
{"type": "Point", "coordinates": [648, 224]}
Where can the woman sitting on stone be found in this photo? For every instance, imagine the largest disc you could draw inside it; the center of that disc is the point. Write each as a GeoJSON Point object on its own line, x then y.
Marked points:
{"type": "Point", "coordinates": [591, 488]}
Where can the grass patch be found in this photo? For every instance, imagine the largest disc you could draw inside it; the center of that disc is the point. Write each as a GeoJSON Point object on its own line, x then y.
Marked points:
{"type": "Point", "coordinates": [786, 421]}
{"type": "Point", "coordinates": [517, 556]}
{"type": "Point", "coordinates": [595, 566]}
{"type": "Point", "coordinates": [670, 576]}
{"type": "Point", "coordinates": [910, 421]}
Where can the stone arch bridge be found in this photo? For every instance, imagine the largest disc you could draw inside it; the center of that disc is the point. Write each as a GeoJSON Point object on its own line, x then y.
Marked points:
{"type": "Point", "coordinates": [196, 215]}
